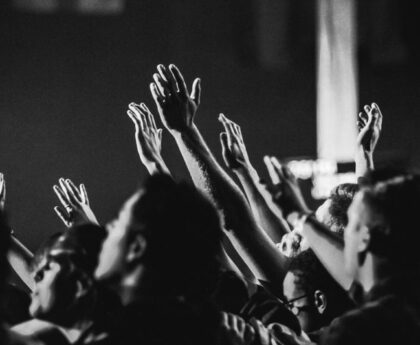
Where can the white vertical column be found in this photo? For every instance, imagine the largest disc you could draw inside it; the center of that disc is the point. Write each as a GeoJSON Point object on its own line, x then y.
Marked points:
{"type": "Point", "coordinates": [337, 79]}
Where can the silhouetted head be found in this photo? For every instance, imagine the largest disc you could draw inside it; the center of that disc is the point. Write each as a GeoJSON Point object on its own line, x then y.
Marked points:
{"type": "Point", "coordinates": [167, 229]}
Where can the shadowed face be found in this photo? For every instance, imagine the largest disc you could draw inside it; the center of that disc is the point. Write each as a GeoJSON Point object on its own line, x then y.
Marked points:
{"type": "Point", "coordinates": [112, 257]}
{"type": "Point", "coordinates": [356, 234]}
{"type": "Point", "coordinates": [53, 294]}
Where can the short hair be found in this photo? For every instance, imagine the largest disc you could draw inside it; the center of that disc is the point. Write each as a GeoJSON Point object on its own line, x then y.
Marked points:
{"type": "Point", "coordinates": [183, 233]}
{"type": "Point", "coordinates": [396, 203]}
{"type": "Point", "coordinates": [341, 198]}
{"type": "Point", "coordinates": [313, 276]}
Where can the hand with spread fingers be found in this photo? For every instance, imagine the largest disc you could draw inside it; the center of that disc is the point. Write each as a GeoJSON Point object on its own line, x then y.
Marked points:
{"type": "Point", "coordinates": [176, 105]}
{"type": "Point", "coordinates": [234, 150]}
{"type": "Point", "coordinates": [370, 126]}
{"type": "Point", "coordinates": [148, 138]}
{"type": "Point", "coordinates": [285, 188]}
{"type": "Point", "coordinates": [2, 192]}
{"type": "Point", "coordinates": [75, 203]}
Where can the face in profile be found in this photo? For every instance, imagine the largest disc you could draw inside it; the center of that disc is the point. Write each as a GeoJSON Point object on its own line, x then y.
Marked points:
{"type": "Point", "coordinates": [53, 293]}
{"type": "Point", "coordinates": [112, 257]}
{"type": "Point", "coordinates": [355, 234]}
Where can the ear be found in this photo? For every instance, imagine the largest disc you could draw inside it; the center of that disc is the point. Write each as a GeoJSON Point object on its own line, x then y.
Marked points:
{"type": "Point", "coordinates": [83, 285]}
{"type": "Point", "coordinates": [136, 248]}
{"type": "Point", "coordinates": [320, 301]}
{"type": "Point", "coordinates": [364, 239]}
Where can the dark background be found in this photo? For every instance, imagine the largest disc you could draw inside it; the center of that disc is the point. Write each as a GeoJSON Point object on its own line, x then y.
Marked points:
{"type": "Point", "coordinates": [66, 80]}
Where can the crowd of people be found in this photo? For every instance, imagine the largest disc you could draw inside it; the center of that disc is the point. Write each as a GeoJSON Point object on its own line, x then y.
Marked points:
{"type": "Point", "coordinates": [216, 261]}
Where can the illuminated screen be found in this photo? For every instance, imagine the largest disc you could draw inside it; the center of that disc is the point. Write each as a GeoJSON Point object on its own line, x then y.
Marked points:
{"type": "Point", "coordinates": [79, 6]}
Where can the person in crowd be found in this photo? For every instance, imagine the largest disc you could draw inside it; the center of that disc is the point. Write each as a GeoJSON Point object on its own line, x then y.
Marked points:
{"type": "Point", "coordinates": [312, 294]}
{"type": "Point", "coordinates": [7, 337]}
{"type": "Point", "coordinates": [67, 305]}
{"type": "Point", "coordinates": [161, 256]}
{"type": "Point", "coordinates": [177, 109]}
{"type": "Point", "coordinates": [380, 256]}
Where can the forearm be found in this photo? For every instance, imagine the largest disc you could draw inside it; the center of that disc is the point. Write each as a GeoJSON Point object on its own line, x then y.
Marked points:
{"type": "Point", "coordinates": [364, 162]}
{"type": "Point", "coordinates": [20, 259]}
{"type": "Point", "coordinates": [157, 167]}
{"type": "Point", "coordinates": [208, 176]}
{"type": "Point", "coordinates": [329, 249]}
{"type": "Point", "coordinates": [271, 221]}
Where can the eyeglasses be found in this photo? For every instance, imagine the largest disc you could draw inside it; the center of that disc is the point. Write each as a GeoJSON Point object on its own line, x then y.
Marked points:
{"type": "Point", "coordinates": [296, 310]}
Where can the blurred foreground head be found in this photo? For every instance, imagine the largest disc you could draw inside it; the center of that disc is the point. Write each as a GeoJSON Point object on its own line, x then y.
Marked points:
{"type": "Point", "coordinates": [167, 232]}
{"type": "Point", "coordinates": [383, 223]}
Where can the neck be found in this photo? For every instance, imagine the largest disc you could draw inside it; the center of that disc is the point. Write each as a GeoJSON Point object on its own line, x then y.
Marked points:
{"type": "Point", "coordinates": [367, 274]}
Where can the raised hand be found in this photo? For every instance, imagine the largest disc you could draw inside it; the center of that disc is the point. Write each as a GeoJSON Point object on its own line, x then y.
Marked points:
{"type": "Point", "coordinates": [75, 203]}
{"type": "Point", "coordinates": [234, 151]}
{"type": "Point", "coordinates": [2, 192]}
{"type": "Point", "coordinates": [236, 330]}
{"type": "Point", "coordinates": [285, 190]}
{"type": "Point", "coordinates": [176, 106]}
{"type": "Point", "coordinates": [369, 124]}
{"type": "Point", "coordinates": [148, 136]}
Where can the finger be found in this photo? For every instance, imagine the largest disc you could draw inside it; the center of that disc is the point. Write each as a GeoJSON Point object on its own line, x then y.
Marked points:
{"type": "Point", "coordinates": [162, 85]}
{"type": "Point", "coordinates": [380, 116]}
{"type": "Point", "coordinates": [135, 108]}
{"type": "Point", "coordinates": [278, 167]}
{"type": "Point", "coordinates": [159, 133]}
{"type": "Point", "coordinates": [73, 192]}
{"type": "Point", "coordinates": [84, 194]}
{"type": "Point", "coordinates": [168, 77]}
{"type": "Point", "coordinates": [2, 187]}
{"type": "Point", "coordinates": [196, 91]}
{"type": "Point", "coordinates": [180, 82]}
{"type": "Point", "coordinates": [63, 187]}
{"type": "Point", "coordinates": [271, 171]}
{"type": "Point", "coordinates": [225, 122]}
{"type": "Point", "coordinates": [367, 109]}
{"type": "Point", "coordinates": [150, 115]}
{"type": "Point", "coordinates": [364, 118]}
{"type": "Point", "coordinates": [62, 197]}
{"type": "Point", "coordinates": [225, 320]}
{"type": "Point", "coordinates": [138, 123]}
{"type": "Point", "coordinates": [287, 173]}
{"type": "Point", "coordinates": [63, 216]}
{"type": "Point", "coordinates": [157, 97]}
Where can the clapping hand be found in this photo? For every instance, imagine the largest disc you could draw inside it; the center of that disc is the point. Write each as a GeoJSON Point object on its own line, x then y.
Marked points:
{"type": "Point", "coordinates": [370, 125]}
{"type": "Point", "coordinates": [75, 202]}
{"type": "Point", "coordinates": [176, 106]}
{"type": "Point", "coordinates": [285, 188]}
{"type": "Point", "coordinates": [234, 150]}
{"type": "Point", "coordinates": [148, 136]}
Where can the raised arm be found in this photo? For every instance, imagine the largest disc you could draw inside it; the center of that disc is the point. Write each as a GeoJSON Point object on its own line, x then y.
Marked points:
{"type": "Point", "coordinates": [327, 246]}
{"type": "Point", "coordinates": [75, 202]}
{"type": "Point", "coordinates": [148, 138]}
{"type": "Point", "coordinates": [237, 160]}
{"type": "Point", "coordinates": [19, 256]}
{"type": "Point", "coordinates": [369, 124]}
{"type": "Point", "coordinates": [177, 108]}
